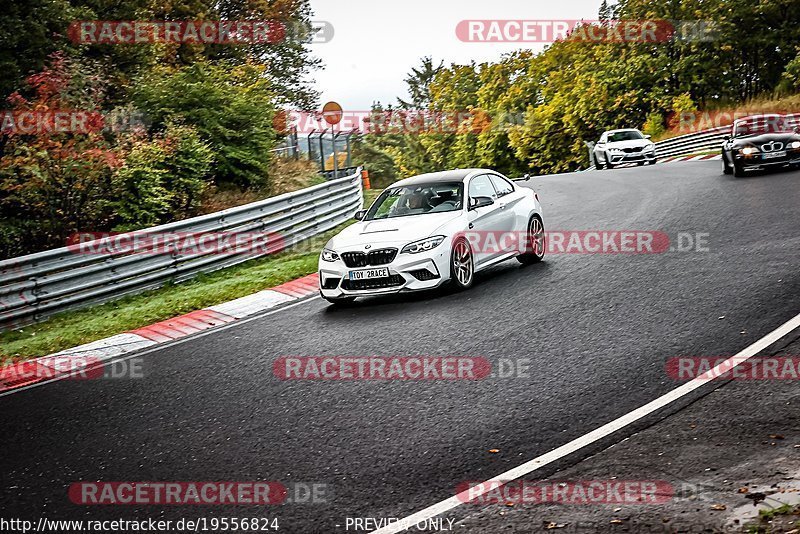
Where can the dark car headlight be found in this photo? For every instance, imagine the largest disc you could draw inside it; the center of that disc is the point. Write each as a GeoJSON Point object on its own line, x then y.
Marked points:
{"type": "Point", "coordinates": [423, 244]}
{"type": "Point", "coordinates": [328, 255]}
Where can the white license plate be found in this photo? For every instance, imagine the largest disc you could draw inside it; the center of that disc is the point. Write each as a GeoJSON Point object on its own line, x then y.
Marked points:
{"type": "Point", "coordinates": [369, 273]}
{"type": "Point", "coordinates": [770, 155]}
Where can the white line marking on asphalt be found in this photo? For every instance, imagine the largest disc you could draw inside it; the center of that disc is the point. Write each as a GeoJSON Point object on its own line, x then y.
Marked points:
{"type": "Point", "coordinates": [587, 439]}
{"type": "Point", "coordinates": [159, 346]}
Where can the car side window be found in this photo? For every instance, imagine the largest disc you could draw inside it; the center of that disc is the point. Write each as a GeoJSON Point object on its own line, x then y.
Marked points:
{"type": "Point", "coordinates": [481, 186]}
{"type": "Point", "coordinates": [501, 185]}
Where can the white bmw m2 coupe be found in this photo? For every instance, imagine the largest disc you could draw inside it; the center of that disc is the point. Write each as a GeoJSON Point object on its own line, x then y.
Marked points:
{"type": "Point", "coordinates": [432, 229]}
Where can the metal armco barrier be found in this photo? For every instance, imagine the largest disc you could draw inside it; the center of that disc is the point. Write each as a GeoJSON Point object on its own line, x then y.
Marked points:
{"type": "Point", "coordinates": [36, 286]}
{"type": "Point", "coordinates": [331, 175]}
{"type": "Point", "coordinates": [704, 140]}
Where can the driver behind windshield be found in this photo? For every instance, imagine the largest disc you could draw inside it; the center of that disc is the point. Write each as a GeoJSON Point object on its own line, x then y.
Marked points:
{"type": "Point", "coordinates": [410, 203]}
{"type": "Point", "coordinates": [416, 200]}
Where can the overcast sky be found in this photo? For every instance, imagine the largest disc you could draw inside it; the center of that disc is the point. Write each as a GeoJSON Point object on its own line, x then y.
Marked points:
{"type": "Point", "coordinates": [376, 43]}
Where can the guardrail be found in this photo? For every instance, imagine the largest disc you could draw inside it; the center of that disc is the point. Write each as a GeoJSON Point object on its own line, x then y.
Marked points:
{"type": "Point", "coordinates": [36, 286]}
{"type": "Point", "coordinates": [330, 175]}
{"type": "Point", "coordinates": [701, 141]}
{"type": "Point", "coordinates": [694, 142]}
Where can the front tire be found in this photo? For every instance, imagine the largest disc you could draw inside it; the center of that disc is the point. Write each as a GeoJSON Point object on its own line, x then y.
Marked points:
{"type": "Point", "coordinates": [597, 164]}
{"type": "Point", "coordinates": [462, 265]}
{"type": "Point", "coordinates": [738, 170]}
{"type": "Point", "coordinates": [726, 168]}
{"type": "Point", "coordinates": [535, 243]}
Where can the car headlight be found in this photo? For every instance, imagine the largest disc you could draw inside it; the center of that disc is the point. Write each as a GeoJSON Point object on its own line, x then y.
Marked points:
{"type": "Point", "coordinates": [423, 244]}
{"type": "Point", "coordinates": [329, 255]}
{"type": "Point", "coordinates": [795, 144]}
{"type": "Point", "coordinates": [615, 150]}
{"type": "Point", "coordinates": [649, 148]}
{"type": "Point", "coordinates": [749, 150]}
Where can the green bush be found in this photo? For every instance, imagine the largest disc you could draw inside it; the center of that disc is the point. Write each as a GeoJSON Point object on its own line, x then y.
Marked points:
{"type": "Point", "coordinates": [654, 125]}
{"type": "Point", "coordinates": [162, 179]}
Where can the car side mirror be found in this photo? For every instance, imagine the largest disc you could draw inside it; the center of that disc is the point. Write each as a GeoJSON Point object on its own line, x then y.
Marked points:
{"type": "Point", "coordinates": [479, 202]}
{"type": "Point", "coordinates": [648, 136]}
{"type": "Point", "coordinates": [359, 215]}
{"type": "Point", "coordinates": [726, 137]}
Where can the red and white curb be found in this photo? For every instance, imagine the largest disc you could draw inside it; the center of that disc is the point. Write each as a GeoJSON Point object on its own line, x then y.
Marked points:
{"type": "Point", "coordinates": [673, 159]}
{"type": "Point", "coordinates": [49, 367]}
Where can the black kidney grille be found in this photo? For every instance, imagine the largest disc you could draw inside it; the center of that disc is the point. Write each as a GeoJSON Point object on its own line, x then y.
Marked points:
{"type": "Point", "coordinates": [634, 149]}
{"type": "Point", "coordinates": [354, 259]}
{"type": "Point", "coordinates": [374, 257]}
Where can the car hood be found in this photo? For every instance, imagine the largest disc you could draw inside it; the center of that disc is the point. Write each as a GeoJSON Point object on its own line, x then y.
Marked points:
{"type": "Point", "coordinates": [760, 139]}
{"type": "Point", "coordinates": [631, 143]}
{"type": "Point", "coordinates": [391, 232]}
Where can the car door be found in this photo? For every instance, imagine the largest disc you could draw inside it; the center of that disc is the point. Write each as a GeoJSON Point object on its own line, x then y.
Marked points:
{"type": "Point", "coordinates": [508, 198]}
{"type": "Point", "coordinates": [486, 222]}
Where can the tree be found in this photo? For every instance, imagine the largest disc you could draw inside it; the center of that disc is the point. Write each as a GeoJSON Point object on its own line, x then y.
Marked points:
{"type": "Point", "coordinates": [418, 82]}
{"type": "Point", "coordinates": [231, 106]}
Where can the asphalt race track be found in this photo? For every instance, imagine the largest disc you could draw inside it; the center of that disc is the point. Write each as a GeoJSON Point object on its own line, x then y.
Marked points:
{"type": "Point", "coordinates": [596, 329]}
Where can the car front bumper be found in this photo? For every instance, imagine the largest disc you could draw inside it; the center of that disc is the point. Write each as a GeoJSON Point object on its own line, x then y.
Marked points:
{"type": "Point", "coordinates": [755, 161]}
{"type": "Point", "coordinates": [630, 157]}
{"type": "Point", "coordinates": [407, 272]}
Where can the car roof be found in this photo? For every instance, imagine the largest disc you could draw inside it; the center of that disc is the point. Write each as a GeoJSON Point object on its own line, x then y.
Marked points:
{"type": "Point", "coordinates": [622, 130]}
{"type": "Point", "coordinates": [455, 175]}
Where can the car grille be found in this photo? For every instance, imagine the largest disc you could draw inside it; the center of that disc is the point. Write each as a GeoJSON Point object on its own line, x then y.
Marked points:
{"type": "Point", "coordinates": [772, 147]}
{"type": "Point", "coordinates": [373, 283]}
{"type": "Point", "coordinates": [634, 149]}
{"type": "Point", "coordinates": [423, 275]}
{"type": "Point", "coordinates": [374, 257]}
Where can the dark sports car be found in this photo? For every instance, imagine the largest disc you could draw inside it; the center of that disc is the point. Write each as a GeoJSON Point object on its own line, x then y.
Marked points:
{"type": "Point", "coordinates": [761, 142]}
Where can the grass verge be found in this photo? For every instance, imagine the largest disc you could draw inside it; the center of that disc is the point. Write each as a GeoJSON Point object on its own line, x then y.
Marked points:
{"type": "Point", "coordinates": [73, 328]}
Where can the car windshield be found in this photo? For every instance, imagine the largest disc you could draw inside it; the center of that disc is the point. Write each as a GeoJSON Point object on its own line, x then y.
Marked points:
{"type": "Point", "coordinates": [760, 125]}
{"type": "Point", "coordinates": [627, 135]}
{"type": "Point", "coordinates": [417, 199]}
